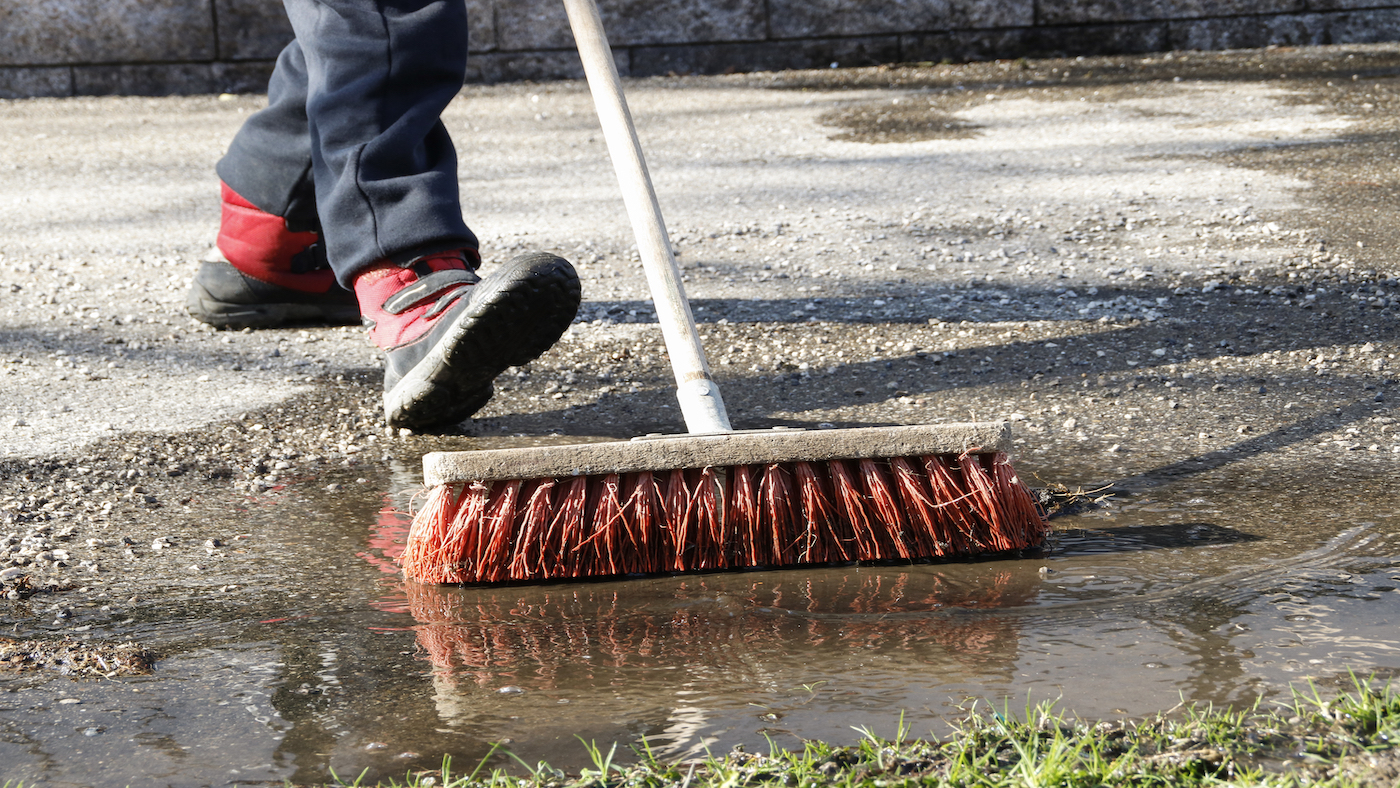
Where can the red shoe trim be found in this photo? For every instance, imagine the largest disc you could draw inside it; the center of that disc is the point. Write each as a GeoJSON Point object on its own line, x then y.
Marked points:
{"type": "Point", "coordinates": [259, 245]}
{"type": "Point", "coordinates": [387, 330]}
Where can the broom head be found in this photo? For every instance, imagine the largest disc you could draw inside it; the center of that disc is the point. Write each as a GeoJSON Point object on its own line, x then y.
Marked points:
{"type": "Point", "coordinates": [720, 501]}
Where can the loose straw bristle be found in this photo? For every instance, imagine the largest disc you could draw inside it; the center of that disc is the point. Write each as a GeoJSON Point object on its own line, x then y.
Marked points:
{"type": "Point", "coordinates": [779, 514]}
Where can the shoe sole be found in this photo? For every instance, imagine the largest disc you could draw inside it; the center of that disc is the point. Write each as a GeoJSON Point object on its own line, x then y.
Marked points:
{"type": "Point", "coordinates": [207, 308]}
{"type": "Point", "coordinates": [513, 317]}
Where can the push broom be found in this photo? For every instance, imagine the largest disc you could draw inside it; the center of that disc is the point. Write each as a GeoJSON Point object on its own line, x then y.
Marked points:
{"type": "Point", "coordinates": [715, 498]}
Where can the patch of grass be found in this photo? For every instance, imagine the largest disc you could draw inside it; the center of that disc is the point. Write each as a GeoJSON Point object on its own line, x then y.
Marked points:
{"type": "Point", "coordinates": [1308, 741]}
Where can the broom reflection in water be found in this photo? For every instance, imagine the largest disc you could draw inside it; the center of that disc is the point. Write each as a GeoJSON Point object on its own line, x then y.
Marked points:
{"type": "Point", "coordinates": [684, 660]}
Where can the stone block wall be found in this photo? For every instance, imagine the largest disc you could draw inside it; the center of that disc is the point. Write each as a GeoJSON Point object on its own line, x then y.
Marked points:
{"type": "Point", "coordinates": [159, 47]}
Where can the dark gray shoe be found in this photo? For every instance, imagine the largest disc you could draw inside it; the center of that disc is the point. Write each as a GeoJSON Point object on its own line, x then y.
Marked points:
{"type": "Point", "coordinates": [225, 297]}
{"type": "Point", "coordinates": [472, 332]}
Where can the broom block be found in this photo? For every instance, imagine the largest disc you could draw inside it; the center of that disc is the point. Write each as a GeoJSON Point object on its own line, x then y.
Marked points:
{"type": "Point", "coordinates": [748, 447]}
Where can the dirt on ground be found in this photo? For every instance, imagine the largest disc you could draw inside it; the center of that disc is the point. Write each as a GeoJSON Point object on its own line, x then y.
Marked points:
{"type": "Point", "coordinates": [1166, 324]}
{"type": "Point", "coordinates": [1152, 266]}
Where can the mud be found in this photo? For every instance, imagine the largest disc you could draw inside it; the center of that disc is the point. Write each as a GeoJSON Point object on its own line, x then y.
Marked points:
{"type": "Point", "coordinates": [1181, 293]}
{"type": "Point", "coordinates": [75, 659]}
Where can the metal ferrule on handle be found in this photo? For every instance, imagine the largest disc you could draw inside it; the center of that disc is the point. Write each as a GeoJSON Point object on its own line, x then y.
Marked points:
{"type": "Point", "coordinates": [699, 397]}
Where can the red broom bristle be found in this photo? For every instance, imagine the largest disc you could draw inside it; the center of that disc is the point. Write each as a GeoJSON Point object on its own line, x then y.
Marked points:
{"type": "Point", "coordinates": [532, 530]}
{"type": "Point", "coordinates": [716, 518]}
{"type": "Point", "coordinates": [641, 525]}
{"type": "Point", "coordinates": [422, 554]}
{"type": "Point", "coordinates": [776, 518]}
{"type": "Point", "coordinates": [884, 509]}
{"type": "Point", "coordinates": [571, 525]}
{"type": "Point", "coordinates": [1023, 509]}
{"type": "Point", "coordinates": [712, 535]}
{"type": "Point", "coordinates": [498, 530]}
{"type": "Point", "coordinates": [547, 551]}
{"type": "Point", "coordinates": [985, 502]}
{"type": "Point", "coordinates": [679, 510]}
{"type": "Point", "coordinates": [953, 506]}
{"type": "Point", "coordinates": [465, 532]}
{"type": "Point", "coordinates": [851, 506]}
{"type": "Point", "coordinates": [918, 504]}
{"type": "Point", "coordinates": [605, 539]}
{"type": "Point", "coordinates": [742, 518]}
{"type": "Point", "coordinates": [824, 539]}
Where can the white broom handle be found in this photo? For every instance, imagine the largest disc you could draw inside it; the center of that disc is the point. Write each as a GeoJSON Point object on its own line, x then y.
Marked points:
{"type": "Point", "coordinates": [699, 397]}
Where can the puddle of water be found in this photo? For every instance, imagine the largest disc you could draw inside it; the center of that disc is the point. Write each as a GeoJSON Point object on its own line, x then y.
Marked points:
{"type": "Point", "coordinates": [207, 718]}
{"type": "Point", "coordinates": [1213, 588]}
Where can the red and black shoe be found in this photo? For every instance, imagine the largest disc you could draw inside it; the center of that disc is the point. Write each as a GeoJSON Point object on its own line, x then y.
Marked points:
{"type": "Point", "coordinates": [267, 275]}
{"type": "Point", "coordinates": [448, 333]}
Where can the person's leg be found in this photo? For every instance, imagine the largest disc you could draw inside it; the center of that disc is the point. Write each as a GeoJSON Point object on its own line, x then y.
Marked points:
{"type": "Point", "coordinates": [379, 75]}
{"type": "Point", "coordinates": [268, 163]}
{"type": "Point", "coordinates": [272, 267]}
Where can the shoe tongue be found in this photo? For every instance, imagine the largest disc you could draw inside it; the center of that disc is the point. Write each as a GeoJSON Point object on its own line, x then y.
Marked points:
{"type": "Point", "coordinates": [439, 262]}
{"type": "Point", "coordinates": [383, 280]}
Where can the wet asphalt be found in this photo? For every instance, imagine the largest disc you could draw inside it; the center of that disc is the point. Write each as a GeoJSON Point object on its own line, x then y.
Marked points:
{"type": "Point", "coordinates": [1155, 267]}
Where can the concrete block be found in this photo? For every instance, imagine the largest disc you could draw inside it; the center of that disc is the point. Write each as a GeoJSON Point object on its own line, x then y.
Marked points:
{"type": "Point", "coordinates": [1120, 39]}
{"type": "Point", "coordinates": [248, 77]}
{"type": "Point", "coordinates": [1355, 27]}
{"type": "Point", "coordinates": [1350, 5]}
{"type": "Point", "coordinates": [481, 26]}
{"type": "Point", "coordinates": [967, 46]}
{"type": "Point", "coordinates": [1363, 27]}
{"type": "Point", "coordinates": [974, 45]}
{"type": "Point", "coordinates": [35, 82]}
{"type": "Point", "coordinates": [52, 32]}
{"type": "Point", "coordinates": [1071, 12]}
{"type": "Point", "coordinates": [542, 24]}
{"type": "Point", "coordinates": [258, 29]}
{"type": "Point", "coordinates": [175, 79]}
{"type": "Point", "coordinates": [251, 29]}
{"type": "Point", "coordinates": [773, 56]}
{"type": "Point", "coordinates": [806, 18]}
{"type": "Point", "coordinates": [1209, 34]}
{"type": "Point", "coordinates": [494, 67]}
